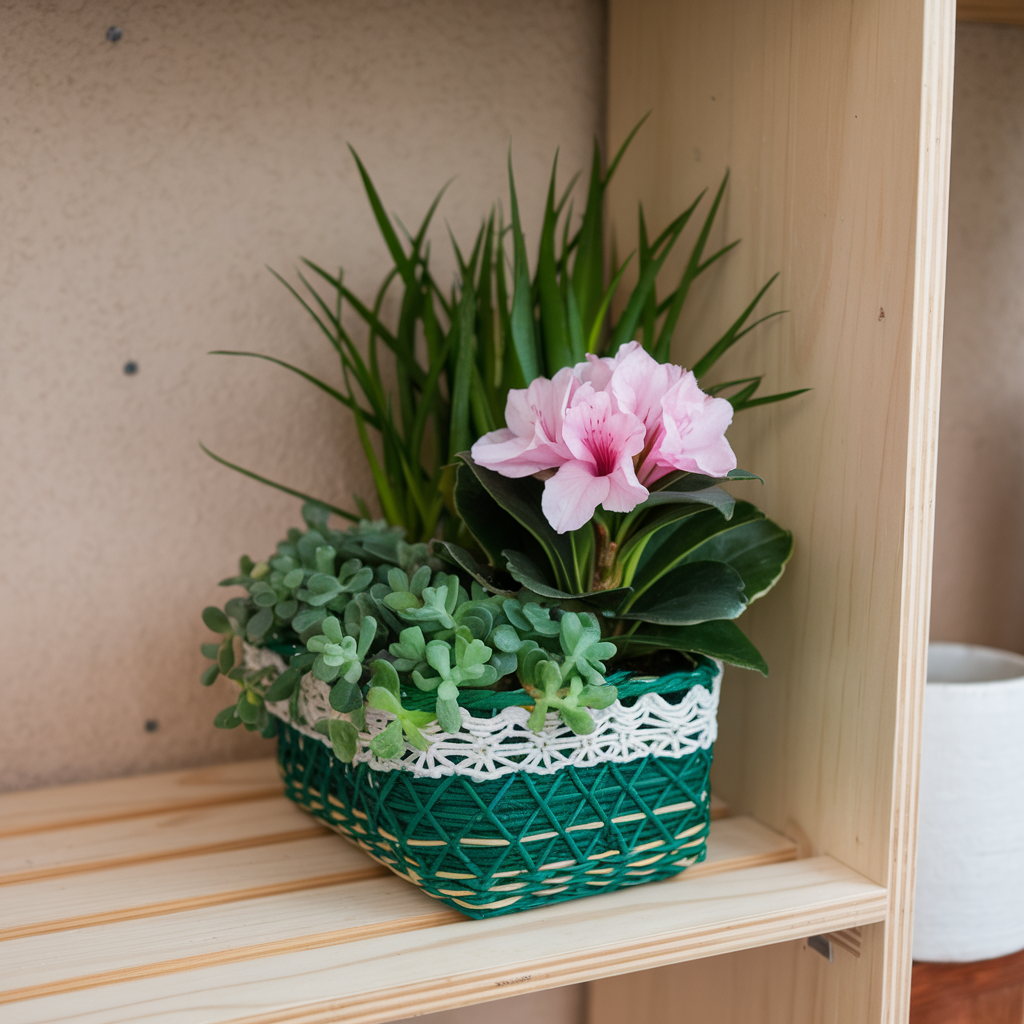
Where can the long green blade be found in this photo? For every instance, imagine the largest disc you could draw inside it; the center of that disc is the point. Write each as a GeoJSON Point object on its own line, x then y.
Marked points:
{"type": "Point", "coordinates": [280, 487]}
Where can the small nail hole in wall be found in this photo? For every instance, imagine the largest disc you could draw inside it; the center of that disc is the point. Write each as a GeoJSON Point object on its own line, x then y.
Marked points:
{"type": "Point", "coordinates": [131, 368]}
{"type": "Point", "coordinates": [114, 33]}
{"type": "Point", "coordinates": [152, 725]}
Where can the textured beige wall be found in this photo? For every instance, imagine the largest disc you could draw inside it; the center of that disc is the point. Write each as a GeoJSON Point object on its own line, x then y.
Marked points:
{"type": "Point", "coordinates": [978, 584]}
{"type": "Point", "coordinates": [143, 186]}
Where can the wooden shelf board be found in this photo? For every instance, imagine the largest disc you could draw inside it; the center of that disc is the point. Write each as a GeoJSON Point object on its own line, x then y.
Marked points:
{"type": "Point", "coordinates": [234, 913]}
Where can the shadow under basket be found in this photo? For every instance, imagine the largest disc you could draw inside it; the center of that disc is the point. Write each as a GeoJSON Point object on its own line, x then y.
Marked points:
{"type": "Point", "coordinates": [598, 821]}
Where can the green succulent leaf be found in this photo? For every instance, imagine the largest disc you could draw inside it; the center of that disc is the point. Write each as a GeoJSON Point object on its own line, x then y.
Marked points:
{"type": "Point", "coordinates": [227, 719]}
{"type": "Point", "coordinates": [345, 696]}
{"type": "Point", "coordinates": [448, 716]}
{"type": "Point", "coordinates": [226, 656]}
{"type": "Point", "coordinates": [389, 742]}
{"type": "Point", "coordinates": [210, 675]}
{"type": "Point", "coordinates": [216, 620]}
{"type": "Point", "coordinates": [284, 685]}
{"type": "Point", "coordinates": [259, 625]}
{"type": "Point", "coordinates": [344, 739]}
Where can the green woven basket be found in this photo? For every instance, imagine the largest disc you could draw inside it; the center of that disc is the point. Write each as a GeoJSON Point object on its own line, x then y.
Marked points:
{"type": "Point", "coordinates": [529, 838]}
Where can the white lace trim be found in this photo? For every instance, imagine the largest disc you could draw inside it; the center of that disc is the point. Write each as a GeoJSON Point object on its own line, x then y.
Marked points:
{"type": "Point", "coordinates": [489, 748]}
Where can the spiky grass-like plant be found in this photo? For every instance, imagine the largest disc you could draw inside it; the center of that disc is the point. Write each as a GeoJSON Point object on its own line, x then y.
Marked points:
{"type": "Point", "coordinates": [455, 355]}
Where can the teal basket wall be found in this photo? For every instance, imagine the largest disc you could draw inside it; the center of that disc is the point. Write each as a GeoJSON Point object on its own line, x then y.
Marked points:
{"type": "Point", "coordinates": [514, 843]}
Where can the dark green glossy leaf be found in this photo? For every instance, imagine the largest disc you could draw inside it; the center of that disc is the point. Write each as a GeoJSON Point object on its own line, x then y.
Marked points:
{"type": "Point", "coordinates": [671, 547]}
{"type": "Point", "coordinates": [464, 560]}
{"type": "Point", "coordinates": [209, 677]}
{"type": "Point", "coordinates": [758, 550]}
{"type": "Point", "coordinates": [526, 572]}
{"type": "Point", "coordinates": [521, 499]}
{"type": "Point", "coordinates": [691, 593]}
{"type": "Point", "coordinates": [722, 639]}
{"type": "Point", "coordinates": [713, 496]}
{"type": "Point", "coordinates": [493, 527]}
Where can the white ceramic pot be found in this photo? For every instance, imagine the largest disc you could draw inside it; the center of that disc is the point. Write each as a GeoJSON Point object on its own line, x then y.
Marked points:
{"type": "Point", "coordinates": [969, 902]}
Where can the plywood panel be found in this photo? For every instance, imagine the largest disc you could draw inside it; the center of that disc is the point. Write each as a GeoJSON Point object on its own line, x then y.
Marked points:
{"type": "Point", "coordinates": [834, 120]}
{"type": "Point", "coordinates": [788, 983]}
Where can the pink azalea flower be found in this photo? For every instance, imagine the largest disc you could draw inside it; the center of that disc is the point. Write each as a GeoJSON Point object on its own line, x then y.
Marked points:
{"type": "Point", "coordinates": [532, 442]}
{"type": "Point", "coordinates": [608, 427]}
{"type": "Point", "coordinates": [694, 430]}
{"type": "Point", "coordinates": [603, 443]}
{"type": "Point", "coordinates": [639, 383]}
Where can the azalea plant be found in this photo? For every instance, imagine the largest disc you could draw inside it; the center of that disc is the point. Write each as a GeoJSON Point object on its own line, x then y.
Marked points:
{"type": "Point", "coordinates": [552, 513]}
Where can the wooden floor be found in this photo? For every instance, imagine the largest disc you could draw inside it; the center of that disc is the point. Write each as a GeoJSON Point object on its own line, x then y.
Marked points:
{"type": "Point", "coordinates": [985, 992]}
{"type": "Point", "coordinates": [205, 896]}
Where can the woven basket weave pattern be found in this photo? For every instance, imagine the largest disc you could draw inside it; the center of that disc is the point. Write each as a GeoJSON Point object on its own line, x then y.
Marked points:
{"type": "Point", "coordinates": [522, 841]}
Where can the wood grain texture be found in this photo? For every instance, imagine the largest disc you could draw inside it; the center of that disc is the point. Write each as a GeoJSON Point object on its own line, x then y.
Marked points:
{"type": "Point", "coordinates": [834, 120]}
{"type": "Point", "coordinates": [999, 12]}
{"type": "Point", "coordinates": [451, 964]}
{"type": "Point", "coordinates": [289, 900]}
{"type": "Point", "coordinates": [776, 984]}
{"type": "Point", "coordinates": [153, 837]}
{"type": "Point", "coordinates": [156, 914]}
{"type": "Point", "coordinates": [934, 145]}
{"type": "Point", "coordinates": [35, 810]}
{"type": "Point", "coordinates": [186, 883]}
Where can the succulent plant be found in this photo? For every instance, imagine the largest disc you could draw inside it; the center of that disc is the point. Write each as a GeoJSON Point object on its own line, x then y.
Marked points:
{"type": "Point", "coordinates": [378, 620]}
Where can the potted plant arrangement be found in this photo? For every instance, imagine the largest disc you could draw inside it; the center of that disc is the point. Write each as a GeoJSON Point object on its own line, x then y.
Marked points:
{"type": "Point", "coordinates": [505, 689]}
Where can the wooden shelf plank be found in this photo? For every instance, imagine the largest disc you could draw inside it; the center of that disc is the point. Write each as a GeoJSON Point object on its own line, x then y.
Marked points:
{"type": "Point", "coordinates": [35, 810]}
{"type": "Point", "coordinates": [462, 962]}
{"type": "Point", "coordinates": [206, 902]}
{"type": "Point", "coordinates": [149, 837]}
{"type": "Point", "coordinates": [150, 888]}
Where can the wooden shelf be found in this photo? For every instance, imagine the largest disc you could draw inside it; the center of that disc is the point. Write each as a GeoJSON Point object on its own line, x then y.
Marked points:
{"type": "Point", "coordinates": [206, 896]}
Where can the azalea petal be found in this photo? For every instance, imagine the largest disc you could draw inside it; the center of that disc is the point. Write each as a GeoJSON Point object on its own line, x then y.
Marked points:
{"type": "Point", "coordinates": [572, 495]}
{"type": "Point", "coordinates": [596, 371]}
{"type": "Point", "coordinates": [639, 383]}
{"type": "Point", "coordinates": [695, 426]}
{"type": "Point", "coordinates": [595, 433]}
{"type": "Point", "coordinates": [625, 492]}
{"type": "Point", "coordinates": [511, 456]}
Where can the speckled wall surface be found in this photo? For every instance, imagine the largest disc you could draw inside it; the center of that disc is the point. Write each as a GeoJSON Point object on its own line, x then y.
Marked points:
{"type": "Point", "coordinates": [978, 593]}
{"type": "Point", "coordinates": [144, 184]}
